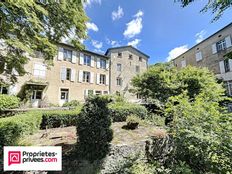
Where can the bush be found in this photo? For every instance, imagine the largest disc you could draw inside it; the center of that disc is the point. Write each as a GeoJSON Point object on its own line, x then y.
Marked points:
{"type": "Point", "coordinates": [132, 122]}
{"type": "Point", "coordinates": [14, 128]}
{"type": "Point", "coordinates": [8, 102]}
{"type": "Point", "coordinates": [73, 103]}
{"type": "Point", "coordinates": [119, 111]}
{"type": "Point", "coordinates": [93, 129]}
{"type": "Point", "coordinates": [54, 119]}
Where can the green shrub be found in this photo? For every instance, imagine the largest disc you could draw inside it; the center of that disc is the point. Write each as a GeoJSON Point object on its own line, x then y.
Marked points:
{"type": "Point", "coordinates": [14, 128]}
{"type": "Point", "coordinates": [93, 129]}
{"type": "Point", "coordinates": [8, 102]}
{"type": "Point", "coordinates": [73, 103]}
{"type": "Point", "coordinates": [54, 119]}
{"type": "Point", "coordinates": [119, 111]}
{"type": "Point", "coordinates": [132, 122]}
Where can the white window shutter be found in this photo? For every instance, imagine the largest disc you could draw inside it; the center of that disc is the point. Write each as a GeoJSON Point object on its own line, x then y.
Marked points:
{"type": "Point", "coordinates": [222, 67]}
{"type": "Point", "coordinates": [12, 89]}
{"type": "Point", "coordinates": [81, 62]}
{"type": "Point", "coordinates": [80, 79]}
{"type": "Point", "coordinates": [230, 64]}
{"type": "Point", "coordinates": [98, 79]}
{"type": "Point", "coordinates": [98, 63]}
{"type": "Point", "coordinates": [60, 53]}
{"type": "Point", "coordinates": [92, 61]}
{"type": "Point", "coordinates": [228, 42]}
{"type": "Point", "coordinates": [91, 77]}
{"type": "Point", "coordinates": [73, 74]}
{"type": "Point", "coordinates": [183, 63]}
{"type": "Point", "coordinates": [214, 48]}
{"type": "Point", "coordinates": [198, 56]}
{"type": "Point", "coordinates": [86, 92]}
{"type": "Point", "coordinates": [107, 80]}
{"type": "Point", "coordinates": [74, 57]}
{"type": "Point", "coordinates": [107, 64]}
{"type": "Point", "coordinates": [63, 73]}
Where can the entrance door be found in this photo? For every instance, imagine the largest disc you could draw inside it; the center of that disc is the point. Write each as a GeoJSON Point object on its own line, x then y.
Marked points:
{"type": "Point", "coordinates": [64, 95]}
{"type": "Point", "coordinates": [36, 98]}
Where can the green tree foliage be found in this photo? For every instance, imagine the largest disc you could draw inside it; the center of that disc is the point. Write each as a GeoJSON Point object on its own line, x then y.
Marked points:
{"type": "Point", "coordinates": [216, 6]}
{"type": "Point", "coordinates": [27, 26]}
{"type": "Point", "coordinates": [93, 129]}
{"type": "Point", "coordinates": [8, 102]}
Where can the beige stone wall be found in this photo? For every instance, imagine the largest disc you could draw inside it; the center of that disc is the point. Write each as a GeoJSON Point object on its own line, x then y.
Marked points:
{"type": "Point", "coordinates": [128, 70]}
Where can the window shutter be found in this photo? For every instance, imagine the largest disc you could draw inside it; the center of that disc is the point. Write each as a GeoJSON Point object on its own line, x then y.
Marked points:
{"type": "Point", "coordinates": [63, 73]}
{"type": "Point", "coordinates": [183, 63]}
{"type": "Point", "coordinates": [198, 56]}
{"type": "Point", "coordinates": [13, 90]}
{"type": "Point", "coordinates": [107, 79]}
{"type": "Point", "coordinates": [107, 64]}
{"type": "Point", "coordinates": [86, 93]}
{"type": "Point", "coordinates": [98, 63]}
{"type": "Point", "coordinates": [92, 61]}
{"type": "Point", "coordinates": [230, 64]}
{"type": "Point", "coordinates": [81, 59]}
{"type": "Point", "coordinates": [228, 42]}
{"type": "Point", "coordinates": [91, 77]}
{"type": "Point", "coordinates": [74, 57]}
{"type": "Point", "coordinates": [60, 53]}
{"type": "Point", "coordinates": [98, 79]}
{"type": "Point", "coordinates": [73, 73]}
{"type": "Point", "coordinates": [214, 48]}
{"type": "Point", "coordinates": [80, 76]}
{"type": "Point", "coordinates": [222, 67]}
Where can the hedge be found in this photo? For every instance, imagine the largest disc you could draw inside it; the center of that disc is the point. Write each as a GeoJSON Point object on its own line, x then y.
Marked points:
{"type": "Point", "coordinates": [119, 111]}
{"type": "Point", "coordinates": [13, 128]}
{"type": "Point", "coordinates": [8, 102]}
{"type": "Point", "coordinates": [54, 119]}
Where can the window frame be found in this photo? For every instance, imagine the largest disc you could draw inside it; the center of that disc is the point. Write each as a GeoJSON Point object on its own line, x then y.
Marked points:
{"type": "Point", "coordinates": [87, 60]}
{"type": "Point", "coordinates": [66, 92]}
{"type": "Point", "coordinates": [86, 77]}
{"type": "Point", "coordinates": [66, 55]}
{"type": "Point", "coordinates": [119, 65]}
{"type": "Point", "coordinates": [103, 65]}
{"type": "Point", "coordinates": [221, 45]}
{"type": "Point", "coordinates": [34, 95]}
{"type": "Point", "coordinates": [68, 73]}
{"type": "Point", "coordinates": [102, 79]}
{"type": "Point", "coordinates": [119, 81]}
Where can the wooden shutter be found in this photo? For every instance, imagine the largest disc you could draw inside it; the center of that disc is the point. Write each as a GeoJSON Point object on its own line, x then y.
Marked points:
{"type": "Point", "coordinates": [92, 61]}
{"type": "Point", "coordinates": [107, 79]}
{"type": "Point", "coordinates": [228, 42]}
{"type": "Point", "coordinates": [81, 62]}
{"type": "Point", "coordinates": [98, 63]}
{"type": "Point", "coordinates": [107, 64]}
{"type": "Point", "coordinates": [80, 76]}
{"type": "Point", "coordinates": [74, 57]}
{"type": "Point", "coordinates": [230, 64]}
{"type": "Point", "coordinates": [98, 79]}
{"type": "Point", "coordinates": [91, 77]}
{"type": "Point", "coordinates": [222, 67]}
{"type": "Point", "coordinates": [60, 53]}
{"type": "Point", "coordinates": [73, 74]}
{"type": "Point", "coordinates": [214, 48]}
{"type": "Point", "coordinates": [63, 73]}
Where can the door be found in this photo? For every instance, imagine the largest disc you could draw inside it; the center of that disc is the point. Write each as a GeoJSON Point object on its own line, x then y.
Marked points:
{"type": "Point", "coordinates": [36, 98]}
{"type": "Point", "coordinates": [64, 95]}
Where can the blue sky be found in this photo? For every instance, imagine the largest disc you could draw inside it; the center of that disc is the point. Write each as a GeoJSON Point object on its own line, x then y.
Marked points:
{"type": "Point", "coordinates": [159, 28]}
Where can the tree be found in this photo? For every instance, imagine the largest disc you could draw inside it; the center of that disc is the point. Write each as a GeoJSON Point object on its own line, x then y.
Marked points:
{"type": "Point", "coordinates": [216, 6]}
{"type": "Point", "coordinates": [27, 26]}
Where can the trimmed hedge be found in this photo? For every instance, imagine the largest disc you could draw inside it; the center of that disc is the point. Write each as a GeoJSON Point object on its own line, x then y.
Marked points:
{"type": "Point", "coordinates": [73, 103]}
{"type": "Point", "coordinates": [13, 128]}
{"type": "Point", "coordinates": [8, 102]}
{"type": "Point", "coordinates": [119, 111]}
{"type": "Point", "coordinates": [54, 119]}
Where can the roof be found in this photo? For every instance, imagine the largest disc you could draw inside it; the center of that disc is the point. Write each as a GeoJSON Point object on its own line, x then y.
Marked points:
{"type": "Point", "coordinates": [129, 46]}
{"type": "Point", "coordinates": [230, 24]}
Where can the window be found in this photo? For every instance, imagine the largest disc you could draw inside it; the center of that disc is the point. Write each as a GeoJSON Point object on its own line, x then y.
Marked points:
{"type": "Point", "coordinates": [3, 90]}
{"type": "Point", "coordinates": [119, 67]}
{"type": "Point", "coordinates": [140, 59]}
{"type": "Point", "coordinates": [64, 94]}
{"type": "Point", "coordinates": [36, 95]}
{"type": "Point", "coordinates": [137, 69]}
{"type": "Point", "coordinates": [198, 56]}
{"type": "Point", "coordinates": [103, 63]}
{"type": "Point", "coordinates": [68, 55]}
{"type": "Point", "coordinates": [130, 56]}
{"type": "Point", "coordinates": [227, 65]}
{"type": "Point", "coordinates": [229, 88]}
{"type": "Point", "coordinates": [86, 77]}
{"type": "Point", "coordinates": [68, 74]}
{"type": "Point", "coordinates": [139, 96]}
{"type": "Point", "coordinates": [102, 79]}
{"type": "Point", "coordinates": [119, 55]}
{"type": "Point", "coordinates": [98, 92]}
{"type": "Point", "coordinates": [105, 92]}
{"type": "Point", "coordinates": [183, 63]}
{"type": "Point", "coordinates": [87, 60]}
{"type": "Point", "coordinates": [119, 81]}
{"type": "Point", "coordinates": [221, 45]}
{"type": "Point", "coordinates": [39, 70]}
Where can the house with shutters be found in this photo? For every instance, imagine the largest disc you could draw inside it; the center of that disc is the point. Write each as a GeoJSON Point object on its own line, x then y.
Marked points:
{"type": "Point", "coordinates": [76, 75]}
{"type": "Point", "coordinates": [210, 53]}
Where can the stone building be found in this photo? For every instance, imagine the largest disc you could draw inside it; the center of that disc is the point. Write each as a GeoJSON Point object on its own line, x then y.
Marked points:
{"type": "Point", "coordinates": [75, 75]}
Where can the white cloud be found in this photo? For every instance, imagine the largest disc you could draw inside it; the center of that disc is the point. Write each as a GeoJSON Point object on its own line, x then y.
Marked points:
{"type": "Point", "coordinates": [117, 14]}
{"type": "Point", "coordinates": [113, 43]}
{"type": "Point", "coordinates": [200, 36]}
{"type": "Point", "coordinates": [97, 44]}
{"type": "Point", "coordinates": [92, 26]}
{"type": "Point", "coordinates": [176, 52]}
{"type": "Point", "coordinates": [134, 43]}
{"type": "Point", "coordinates": [90, 2]}
{"type": "Point", "coordinates": [99, 51]}
{"type": "Point", "coordinates": [135, 26]}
